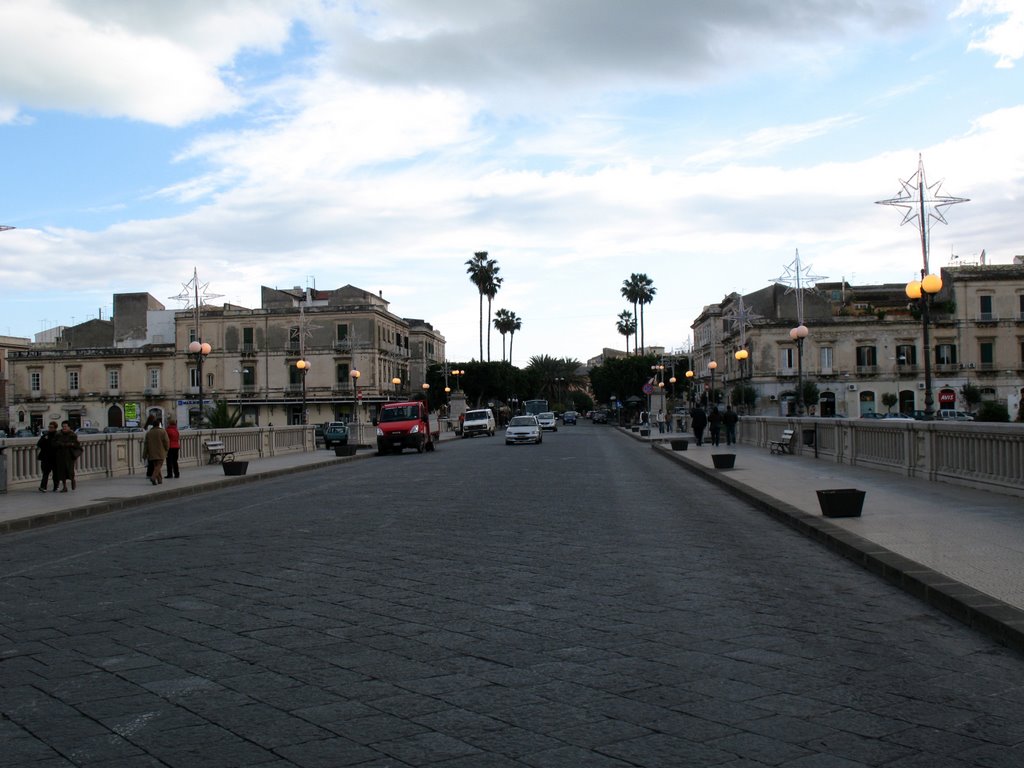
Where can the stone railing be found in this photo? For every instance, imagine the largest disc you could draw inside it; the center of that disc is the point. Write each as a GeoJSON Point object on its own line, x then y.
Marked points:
{"type": "Point", "coordinates": [982, 455]}
{"type": "Point", "coordinates": [120, 453]}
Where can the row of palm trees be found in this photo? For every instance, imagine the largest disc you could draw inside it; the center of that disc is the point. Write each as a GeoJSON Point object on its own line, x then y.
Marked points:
{"type": "Point", "coordinates": [639, 291]}
{"type": "Point", "coordinates": [483, 273]}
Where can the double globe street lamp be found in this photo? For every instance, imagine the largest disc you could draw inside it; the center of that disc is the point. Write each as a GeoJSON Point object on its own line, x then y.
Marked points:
{"type": "Point", "coordinates": [199, 350]}
{"type": "Point", "coordinates": [798, 335]}
{"type": "Point", "coordinates": [355, 402]}
{"type": "Point", "coordinates": [302, 365]}
{"type": "Point", "coordinates": [922, 292]}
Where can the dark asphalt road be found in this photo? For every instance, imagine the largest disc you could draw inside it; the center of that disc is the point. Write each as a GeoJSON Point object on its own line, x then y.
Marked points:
{"type": "Point", "coordinates": [578, 603]}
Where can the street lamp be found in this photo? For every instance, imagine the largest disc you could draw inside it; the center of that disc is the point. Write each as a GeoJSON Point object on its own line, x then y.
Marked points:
{"type": "Point", "coordinates": [199, 350]}
{"type": "Point", "coordinates": [397, 384]}
{"type": "Point", "coordinates": [426, 393]}
{"type": "Point", "coordinates": [741, 356]}
{"type": "Point", "coordinates": [713, 401]}
{"type": "Point", "coordinates": [922, 292]}
{"type": "Point", "coordinates": [303, 366]}
{"type": "Point", "coordinates": [355, 403]}
{"type": "Point", "coordinates": [689, 386]}
{"type": "Point", "coordinates": [456, 373]}
{"type": "Point", "coordinates": [798, 335]}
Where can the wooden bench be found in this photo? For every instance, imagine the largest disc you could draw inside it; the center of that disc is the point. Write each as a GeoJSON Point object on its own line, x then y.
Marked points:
{"type": "Point", "coordinates": [215, 450]}
{"type": "Point", "coordinates": [785, 443]}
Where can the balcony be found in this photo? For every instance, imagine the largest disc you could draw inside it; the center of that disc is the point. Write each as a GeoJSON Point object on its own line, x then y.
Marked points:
{"type": "Point", "coordinates": [947, 367]}
{"type": "Point", "coordinates": [986, 317]}
{"type": "Point", "coordinates": [293, 389]}
{"type": "Point", "coordinates": [248, 389]}
{"type": "Point", "coordinates": [151, 391]}
{"type": "Point", "coordinates": [867, 370]}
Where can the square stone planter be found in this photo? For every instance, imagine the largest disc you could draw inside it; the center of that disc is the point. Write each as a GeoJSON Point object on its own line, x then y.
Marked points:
{"type": "Point", "coordinates": [723, 460]}
{"type": "Point", "coordinates": [678, 444]}
{"type": "Point", "coordinates": [841, 502]}
{"type": "Point", "coordinates": [645, 433]}
{"type": "Point", "coordinates": [344, 450]}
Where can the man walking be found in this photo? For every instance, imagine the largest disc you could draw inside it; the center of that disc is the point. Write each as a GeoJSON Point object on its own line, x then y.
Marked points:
{"type": "Point", "coordinates": [156, 446]}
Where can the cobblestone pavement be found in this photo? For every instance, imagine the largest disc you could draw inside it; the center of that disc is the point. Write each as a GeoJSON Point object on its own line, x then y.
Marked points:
{"type": "Point", "coordinates": [571, 604]}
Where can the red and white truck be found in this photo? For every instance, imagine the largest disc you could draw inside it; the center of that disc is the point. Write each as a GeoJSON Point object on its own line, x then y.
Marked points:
{"type": "Point", "coordinates": [404, 425]}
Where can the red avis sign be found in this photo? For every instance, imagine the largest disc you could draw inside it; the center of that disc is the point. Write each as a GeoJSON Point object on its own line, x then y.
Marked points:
{"type": "Point", "coordinates": [947, 397]}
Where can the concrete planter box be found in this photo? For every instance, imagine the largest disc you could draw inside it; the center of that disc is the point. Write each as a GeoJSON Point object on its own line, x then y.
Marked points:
{"type": "Point", "coordinates": [344, 450]}
{"type": "Point", "coordinates": [235, 467]}
{"type": "Point", "coordinates": [679, 444]}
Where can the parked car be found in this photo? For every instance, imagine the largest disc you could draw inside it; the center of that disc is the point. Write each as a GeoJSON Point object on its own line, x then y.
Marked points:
{"type": "Point", "coordinates": [335, 433]}
{"type": "Point", "coordinates": [569, 417]}
{"type": "Point", "coordinates": [872, 415]}
{"type": "Point", "coordinates": [479, 421]}
{"type": "Point", "coordinates": [87, 431]}
{"type": "Point", "coordinates": [951, 414]}
{"type": "Point", "coordinates": [523, 429]}
{"type": "Point", "coordinates": [547, 420]}
{"type": "Point", "coordinates": [600, 417]}
{"type": "Point", "coordinates": [26, 433]}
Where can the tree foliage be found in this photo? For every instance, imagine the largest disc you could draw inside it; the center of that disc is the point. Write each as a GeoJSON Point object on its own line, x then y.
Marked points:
{"type": "Point", "coordinates": [221, 417]}
{"type": "Point", "coordinates": [621, 377]}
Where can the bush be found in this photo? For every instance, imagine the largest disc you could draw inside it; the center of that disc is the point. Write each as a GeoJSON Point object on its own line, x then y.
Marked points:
{"type": "Point", "coordinates": [992, 411]}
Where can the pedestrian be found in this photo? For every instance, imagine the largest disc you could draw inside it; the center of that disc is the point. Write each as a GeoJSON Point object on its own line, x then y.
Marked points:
{"type": "Point", "coordinates": [698, 420]}
{"type": "Point", "coordinates": [155, 447]}
{"type": "Point", "coordinates": [715, 424]}
{"type": "Point", "coordinates": [174, 444]}
{"type": "Point", "coordinates": [47, 454]}
{"type": "Point", "coordinates": [68, 449]}
{"type": "Point", "coordinates": [729, 419]}
{"type": "Point", "coordinates": [660, 418]}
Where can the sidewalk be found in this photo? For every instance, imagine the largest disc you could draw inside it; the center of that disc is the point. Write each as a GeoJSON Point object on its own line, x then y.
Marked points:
{"type": "Point", "coordinates": [28, 508]}
{"type": "Point", "coordinates": [960, 549]}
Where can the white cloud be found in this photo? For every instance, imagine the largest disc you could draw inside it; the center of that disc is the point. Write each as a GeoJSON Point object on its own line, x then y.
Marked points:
{"type": "Point", "coordinates": [1004, 39]}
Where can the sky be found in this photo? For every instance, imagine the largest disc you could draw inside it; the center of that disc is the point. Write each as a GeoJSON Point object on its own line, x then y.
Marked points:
{"type": "Point", "coordinates": [381, 143]}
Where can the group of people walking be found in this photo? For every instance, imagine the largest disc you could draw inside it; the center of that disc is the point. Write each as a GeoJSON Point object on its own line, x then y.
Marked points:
{"type": "Point", "coordinates": [713, 422]}
{"type": "Point", "coordinates": [58, 451]}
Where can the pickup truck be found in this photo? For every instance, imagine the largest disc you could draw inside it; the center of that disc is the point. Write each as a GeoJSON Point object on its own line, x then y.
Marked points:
{"type": "Point", "coordinates": [335, 433]}
{"type": "Point", "coordinates": [404, 425]}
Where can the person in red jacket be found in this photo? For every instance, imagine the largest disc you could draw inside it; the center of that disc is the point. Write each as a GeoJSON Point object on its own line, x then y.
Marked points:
{"type": "Point", "coordinates": [174, 440]}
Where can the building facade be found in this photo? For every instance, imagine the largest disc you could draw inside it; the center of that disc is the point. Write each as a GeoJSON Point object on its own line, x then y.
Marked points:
{"type": "Point", "coordinates": [115, 373]}
{"type": "Point", "coordinates": [865, 342]}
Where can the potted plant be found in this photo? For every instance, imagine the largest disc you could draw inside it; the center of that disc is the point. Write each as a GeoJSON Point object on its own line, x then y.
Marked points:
{"type": "Point", "coordinates": [232, 467]}
{"type": "Point", "coordinates": [345, 450]}
{"type": "Point", "coordinates": [723, 460]}
{"type": "Point", "coordinates": [841, 502]}
{"type": "Point", "coordinates": [679, 443]}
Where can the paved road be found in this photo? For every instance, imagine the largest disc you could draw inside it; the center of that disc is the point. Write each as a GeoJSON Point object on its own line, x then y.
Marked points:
{"type": "Point", "coordinates": [570, 604]}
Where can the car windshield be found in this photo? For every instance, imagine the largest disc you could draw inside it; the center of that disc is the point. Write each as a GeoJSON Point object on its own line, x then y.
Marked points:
{"type": "Point", "coordinates": [400, 413]}
{"type": "Point", "coordinates": [523, 421]}
{"type": "Point", "coordinates": [547, 416]}
{"type": "Point", "coordinates": [477, 415]}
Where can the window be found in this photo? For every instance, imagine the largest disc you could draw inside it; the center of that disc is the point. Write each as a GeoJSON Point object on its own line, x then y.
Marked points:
{"type": "Point", "coordinates": [945, 354]}
{"type": "Point", "coordinates": [825, 359]}
{"type": "Point", "coordinates": [866, 357]}
{"type": "Point", "coordinates": [153, 377]}
{"type": "Point", "coordinates": [247, 343]}
{"type": "Point", "coordinates": [209, 381]}
{"type": "Point", "coordinates": [248, 377]}
{"type": "Point", "coordinates": [906, 354]}
{"type": "Point", "coordinates": [341, 373]}
{"type": "Point", "coordinates": [113, 378]}
{"type": "Point", "coordinates": [985, 307]}
{"type": "Point", "coordinates": [294, 375]}
{"type": "Point", "coordinates": [74, 377]}
{"type": "Point", "coordinates": [787, 358]}
{"type": "Point", "coordinates": [192, 335]}
{"type": "Point", "coordinates": [193, 377]}
{"type": "Point", "coordinates": [294, 334]}
{"type": "Point", "coordinates": [35, 381]}
{"type": "Point", "coordinates": [987, 350]}
{"type": "Point", "coordinates": [1020, 306]}
{"type": "Point", "coordinates": [342, 332]}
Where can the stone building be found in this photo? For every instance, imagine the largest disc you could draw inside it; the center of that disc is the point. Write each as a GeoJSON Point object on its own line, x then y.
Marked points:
{"type": "Point", "coordinates": [865, 341]}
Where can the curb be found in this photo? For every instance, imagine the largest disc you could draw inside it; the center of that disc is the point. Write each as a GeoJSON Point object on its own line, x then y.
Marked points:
{"type": "Point", "coordinates": [1000, 621]}
{"type": "Point", "coordinates": [102, 508]}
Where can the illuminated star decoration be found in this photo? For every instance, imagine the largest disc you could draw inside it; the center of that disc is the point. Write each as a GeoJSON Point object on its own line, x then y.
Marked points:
{"type": "Point", "coordinates": [799, 279]}
{"type": "Point", "coordinates": [742, 317]}
{"type": "Point", "coordinates": [194, 293]}
{"type": "Point", "coordinates": [922, 204]}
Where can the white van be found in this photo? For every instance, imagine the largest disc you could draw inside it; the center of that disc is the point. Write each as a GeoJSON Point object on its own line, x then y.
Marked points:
{"type": "Point", "coordinates": [951, 414]}
{"type": "Point", "coordinates": [478, 422]}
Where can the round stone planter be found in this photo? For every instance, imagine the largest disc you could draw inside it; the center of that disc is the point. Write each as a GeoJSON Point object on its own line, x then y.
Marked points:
{"type": "Point", "coordinates": [723, 460]}
{"type": "Point", "coordinates": [679, 444]}
{"type": "Point", "coordinates": [841, 502]}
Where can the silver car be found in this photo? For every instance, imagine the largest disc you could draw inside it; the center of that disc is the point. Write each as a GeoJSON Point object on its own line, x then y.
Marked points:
{"type": "Point", "coordinates": [548, 421]}
{"type": "Point", "coordinates": [523, 429]}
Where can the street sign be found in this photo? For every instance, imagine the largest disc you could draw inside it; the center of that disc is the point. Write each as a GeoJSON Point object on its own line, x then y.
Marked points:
{"type": "Point", "coordinates": [648, 389]}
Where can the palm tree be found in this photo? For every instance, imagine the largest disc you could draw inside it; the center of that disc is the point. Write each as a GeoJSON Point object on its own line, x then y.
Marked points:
{"type": "Point", "coordinates": [490, 290]}
{"type": "Point", "coordinates": [503, 325]}
{"type": "Point", "coordinates": [631, 292]}
{"type": "Point", "coordinates": [626, 325]}
{"type": "Point", "coordinates": [646, 293]}
{"type": "Point", "coordinates": [477, 268]}
{"type": "Point", "coordinates": [557, 375]}
{"type": "Point", "coordinates": [515, 323]}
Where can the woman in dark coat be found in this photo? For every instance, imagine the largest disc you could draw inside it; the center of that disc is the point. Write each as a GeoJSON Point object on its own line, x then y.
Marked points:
{"type": "Point", "coordinates": [698, 420]}
{"type": "Point", "coordinates": [48, 456]}
{"type": "Point", "coordinates": [715, 424]}
{"type": "Point", "coordinates": [67, 451]}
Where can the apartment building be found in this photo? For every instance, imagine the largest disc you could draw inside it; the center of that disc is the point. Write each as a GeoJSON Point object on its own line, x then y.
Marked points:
{"type": "Point", "coordinates": [865, 341]}
{"type": "Point", "coordinates": [114, 373]}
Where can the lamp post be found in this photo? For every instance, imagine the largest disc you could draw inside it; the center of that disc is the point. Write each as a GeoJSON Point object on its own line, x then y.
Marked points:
{"type": "Point", "coordinates": [199, 350]}
{"type": "Point", "coordinates": [396, 382]}
{"type": "Point", "coordinates": [689, 387]}
{"type": "Point", "coordinates": [355, 403]}
{"type": "Point", "coordinates": [798, 335]}
{"type": "Point", "coordinates": [741, 356]}
{"type": "Point", "coordinates": [922, 292]}
{"type": "Point", "coordinates": [303, 366]}
{"type": "Point", "coordinates": [456, 373]}
{"type": "Point", "coordinates": [712, 400]}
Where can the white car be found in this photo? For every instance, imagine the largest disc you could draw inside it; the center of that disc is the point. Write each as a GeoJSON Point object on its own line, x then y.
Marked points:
{"type": "Point", "coordinates": [523, 429]}
{"type": "Point", "coordinates": [548, 421]}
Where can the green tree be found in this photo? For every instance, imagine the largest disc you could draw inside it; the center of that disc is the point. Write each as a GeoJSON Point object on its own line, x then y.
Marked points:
{"type": "Point", "coordinates": [492, 284]}
{"type": "Point", "coordinates": [220, 417]}
{"type": "Point", "coordinates": [889, 399]}
{"type": "Point", "coordinates": [481, 271]}
{"type": "Point", "coordinates": [622, 377]}
{"type": "Point", "coordinates": [626, 325]}
{"type": "Point", "coordinates": [646, 296]}
{"type": "Point", "coordinates": [555, 376]}
{"type": "Point", "coordinates": [992, 411]}
{"type": "Point", "coordinates": [971, 395]}
{"type": "Point", "coordinates": [631, 292]}
{"type": "Point", "coordinates": [515, 324]}
{"type": "Point", "coordinates": [503, 325]}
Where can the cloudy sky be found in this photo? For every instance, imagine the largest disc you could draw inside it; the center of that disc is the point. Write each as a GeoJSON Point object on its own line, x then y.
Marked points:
{"type": "Point", "coordinates": [380, 143]}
